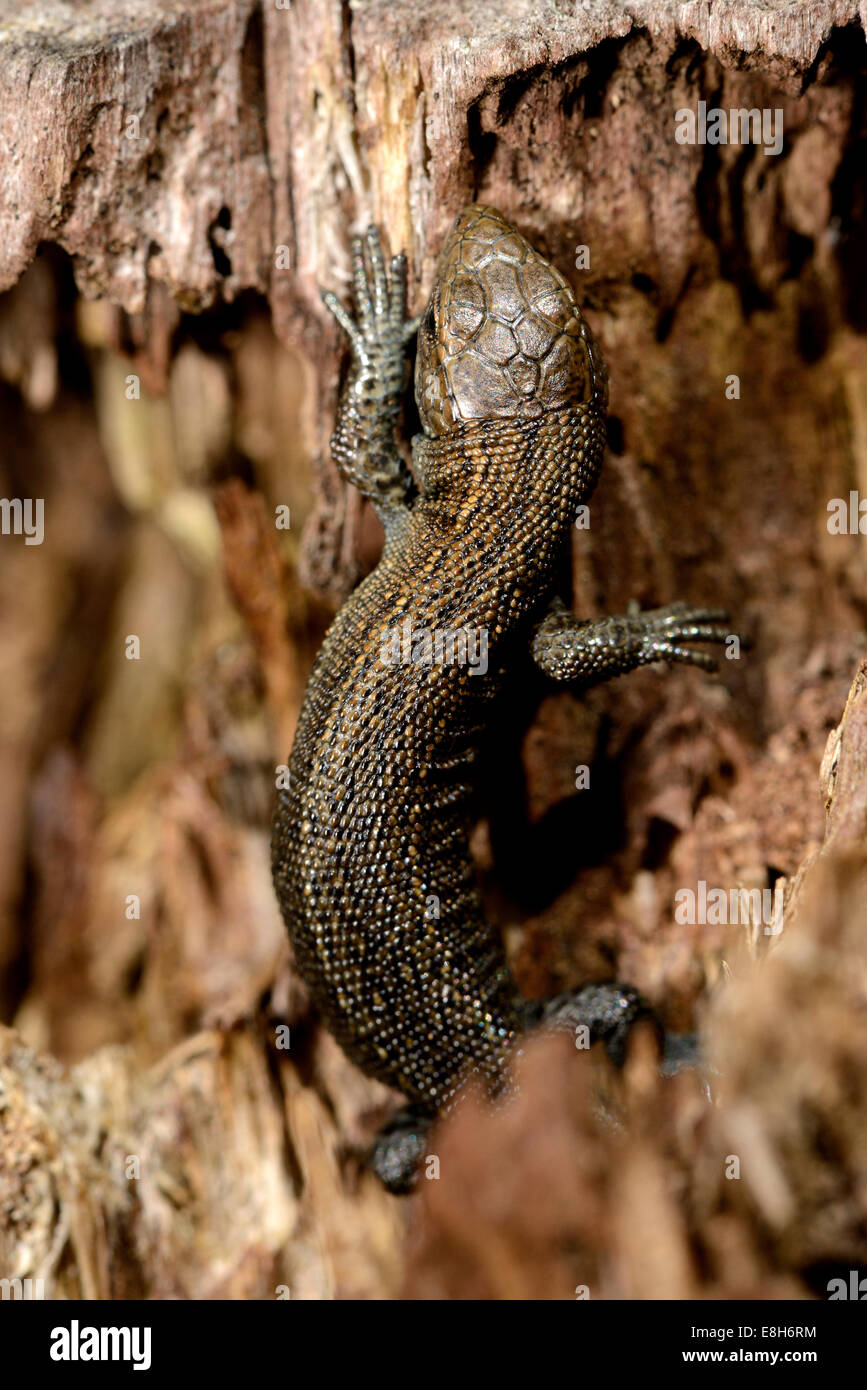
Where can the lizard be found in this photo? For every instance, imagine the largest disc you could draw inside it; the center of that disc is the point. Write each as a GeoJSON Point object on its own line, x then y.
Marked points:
{"type": "Point", "coordinates": [370, 846]}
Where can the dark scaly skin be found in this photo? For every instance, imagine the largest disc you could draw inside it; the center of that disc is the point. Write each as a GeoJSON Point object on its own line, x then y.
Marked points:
{"type": "Point", "coordinates": [374, 830]}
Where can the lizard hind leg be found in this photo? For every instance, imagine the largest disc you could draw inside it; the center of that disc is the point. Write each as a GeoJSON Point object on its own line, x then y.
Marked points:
{"type": "Point", "coordinates": [607, 1013]}
{"type": "Point", "coordinates": [363, 444]}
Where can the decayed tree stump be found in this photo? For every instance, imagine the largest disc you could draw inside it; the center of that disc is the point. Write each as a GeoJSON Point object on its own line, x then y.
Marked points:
{"type": "Point", "coordinates": [177, 183]}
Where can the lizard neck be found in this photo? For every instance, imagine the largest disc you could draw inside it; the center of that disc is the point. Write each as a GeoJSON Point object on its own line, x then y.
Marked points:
{"type": "Point", "coordinates": [522, 476]}
{"type": "Point", "coordinates": [496, 506]}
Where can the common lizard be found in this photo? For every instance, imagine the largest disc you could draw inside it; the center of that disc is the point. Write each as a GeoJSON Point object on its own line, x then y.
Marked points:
{"type": "Point", "coordinates": [370, 847]}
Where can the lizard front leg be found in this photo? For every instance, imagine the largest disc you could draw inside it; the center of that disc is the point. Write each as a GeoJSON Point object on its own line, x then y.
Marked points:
{"type": "Point", "coordinates": [569, 649]}
{"type": "Point", "coordinates": [363, 444]}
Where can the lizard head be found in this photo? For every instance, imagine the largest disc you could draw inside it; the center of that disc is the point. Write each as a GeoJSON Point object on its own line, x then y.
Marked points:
{"type": "Point", "coordinates": [503, 337]}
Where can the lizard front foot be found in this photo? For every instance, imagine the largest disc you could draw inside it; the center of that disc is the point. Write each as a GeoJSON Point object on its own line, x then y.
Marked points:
{"type": "Point", "coordinates": [363, 445]}
{"type": "Point", "coordinates": [568, 649]}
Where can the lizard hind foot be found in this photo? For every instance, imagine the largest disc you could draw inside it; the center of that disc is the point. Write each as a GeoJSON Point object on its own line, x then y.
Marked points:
{"type": "Point", "coordinates": [398, 1150]}
{"type": "Point", "coordinates": [608, 1011]}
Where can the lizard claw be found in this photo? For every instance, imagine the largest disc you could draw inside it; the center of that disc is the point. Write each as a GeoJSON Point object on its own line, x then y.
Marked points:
{"type": "Point", "coordinates": [345, 319]}
{"type": "Point", "coordinates": [667, 651]}
{"type": "Point", "coordinates": [665, 628]}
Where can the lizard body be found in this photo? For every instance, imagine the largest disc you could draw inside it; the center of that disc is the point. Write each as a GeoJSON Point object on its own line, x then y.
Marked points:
{"type": "Point", "coordinates": [370, 852]}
